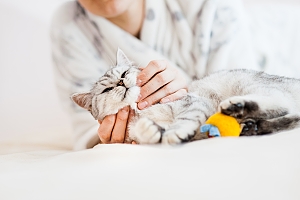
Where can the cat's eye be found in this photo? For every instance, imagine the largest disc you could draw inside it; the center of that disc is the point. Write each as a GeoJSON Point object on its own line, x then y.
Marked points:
{"type": "Point", "coordinates": [107, 90]}
{"type": "Point", "coordinates": [123, 75]}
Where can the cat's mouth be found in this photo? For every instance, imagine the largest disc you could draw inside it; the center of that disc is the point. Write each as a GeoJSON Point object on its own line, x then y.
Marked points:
{"type": "Point", "coordinates": [125, 93]}
{"type": "Point", "coordinates": [131, 94]}
{"type": "Point", "coordinates": [122, 85]}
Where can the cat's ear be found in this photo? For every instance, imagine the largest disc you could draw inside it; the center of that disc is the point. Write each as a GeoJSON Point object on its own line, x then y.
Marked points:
{"type": "Point", "coordinates": [84, 100]}
{"type": "Point", "coordinates": [122, 59]}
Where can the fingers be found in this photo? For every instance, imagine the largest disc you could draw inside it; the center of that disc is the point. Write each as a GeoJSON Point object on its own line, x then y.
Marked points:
{"type": "Point", "coordinates": [170, 92]}
{"type": "Point", "coordinates": [175, 96]}
{"type": "Point", "coordinates": [131, 115]}
{"type": "Point", "coordinates": [148, 72]}
{"type": "Point", "coordinates": [159, 80]}
{"type": "Point", "coordinates": [105, 129]}
{"type": "Point", "coordinates": [113, 127]}
{"type": "Point", "coordinates": [118, 133]}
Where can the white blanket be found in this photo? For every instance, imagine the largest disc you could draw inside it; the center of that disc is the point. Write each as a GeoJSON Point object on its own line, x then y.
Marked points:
{"type": "Point", "coordinates": [220, 168]}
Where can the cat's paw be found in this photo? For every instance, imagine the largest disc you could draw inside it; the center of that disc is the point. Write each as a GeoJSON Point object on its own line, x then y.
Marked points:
{"type": "Point", "coordinates": [233, 106]}
{"type": "Point", "coordinates": [239, 107]}
{"type": "Point", "coordinates": [175, 136]}
{"type": "Point", "coordinates": [147, 132]}
{"type": "Point", "coordinates": [249, 128]}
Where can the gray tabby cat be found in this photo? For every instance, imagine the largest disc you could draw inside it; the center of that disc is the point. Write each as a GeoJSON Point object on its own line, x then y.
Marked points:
{"type": "Point", "coordinates": [261, 103]}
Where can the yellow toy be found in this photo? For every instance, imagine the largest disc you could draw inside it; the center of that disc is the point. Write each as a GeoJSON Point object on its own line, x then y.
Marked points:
{"type": "Point", "coordinates": [220, 125]}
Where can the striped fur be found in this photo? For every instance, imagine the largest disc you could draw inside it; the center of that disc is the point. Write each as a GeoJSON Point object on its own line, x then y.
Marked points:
{"type": "Point", "coordinates": [261, 103]}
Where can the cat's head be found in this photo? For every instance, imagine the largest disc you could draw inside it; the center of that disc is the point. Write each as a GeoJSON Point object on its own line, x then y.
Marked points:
{"type": "Point", "coordinates": [113, 91]}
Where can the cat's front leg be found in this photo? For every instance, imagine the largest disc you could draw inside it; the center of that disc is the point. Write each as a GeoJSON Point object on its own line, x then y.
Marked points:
{"type": "Point", "coordinates": [180, 119]}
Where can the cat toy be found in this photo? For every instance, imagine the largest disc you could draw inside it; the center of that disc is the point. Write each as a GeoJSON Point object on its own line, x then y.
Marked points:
{"type": "Point", "coordinates": [221, 125]}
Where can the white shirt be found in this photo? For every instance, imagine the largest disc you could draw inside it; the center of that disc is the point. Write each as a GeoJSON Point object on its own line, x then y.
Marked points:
{"type": "Point", "coordinates": [198, 37]}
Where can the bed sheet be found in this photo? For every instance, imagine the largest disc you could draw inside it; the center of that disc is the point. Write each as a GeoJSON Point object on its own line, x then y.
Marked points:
{"type": "Point", "coordinates": [265, 167]}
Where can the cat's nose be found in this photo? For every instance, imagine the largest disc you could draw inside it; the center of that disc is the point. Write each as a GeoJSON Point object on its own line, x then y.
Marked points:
{"type": "Point", "coordinates": [121, 83]}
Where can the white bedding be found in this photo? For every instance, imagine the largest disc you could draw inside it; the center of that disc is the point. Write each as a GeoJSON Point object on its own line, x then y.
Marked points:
{"type": "Point", "coordinates": [220, 168]}
{"type": "Point", "coordinates": [36, 161]}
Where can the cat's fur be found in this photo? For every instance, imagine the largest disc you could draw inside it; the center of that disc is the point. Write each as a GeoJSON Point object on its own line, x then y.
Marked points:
{"type": "Point", "coordinates": [261, 103]}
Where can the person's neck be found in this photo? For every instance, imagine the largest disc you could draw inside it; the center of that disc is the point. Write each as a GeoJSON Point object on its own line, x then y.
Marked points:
{"type": "Point", "coordinates": [132, 20]}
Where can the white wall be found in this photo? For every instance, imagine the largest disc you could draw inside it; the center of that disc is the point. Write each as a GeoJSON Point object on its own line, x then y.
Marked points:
{"type": "Point", "coordinates": [28, 100]}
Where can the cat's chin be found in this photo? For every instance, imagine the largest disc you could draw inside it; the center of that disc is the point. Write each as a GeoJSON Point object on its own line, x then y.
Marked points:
{"type": "Point", "coordinates": [132, 95]}
{"type": "Point", "coordinates": [115, 104]}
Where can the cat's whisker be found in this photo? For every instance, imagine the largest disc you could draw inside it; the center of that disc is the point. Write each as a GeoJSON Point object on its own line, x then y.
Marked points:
{"type": "Point", "coordinates": [139, 65]}
{"type": "Point", "coordinates": [112, 63]}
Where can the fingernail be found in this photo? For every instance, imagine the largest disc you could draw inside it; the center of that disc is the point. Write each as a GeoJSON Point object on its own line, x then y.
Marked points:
{"type": "Point", "coordinates": [165, 100]}
{"type": "Point", "coordinates": [138, 82]}
{"type": "Point", "coordinates": [125, 109]}
{"type": "Point", "coordinates": [143, 104]}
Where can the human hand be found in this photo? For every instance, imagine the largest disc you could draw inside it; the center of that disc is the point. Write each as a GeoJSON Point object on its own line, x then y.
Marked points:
{"type": "Point", "coordinates": [113, 128]}
{"type": "Point", "coordinates": [160, 82]}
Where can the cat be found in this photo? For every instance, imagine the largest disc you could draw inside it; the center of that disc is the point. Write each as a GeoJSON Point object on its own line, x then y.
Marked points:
{"type": "Point", "coordinates": [261, 103]}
